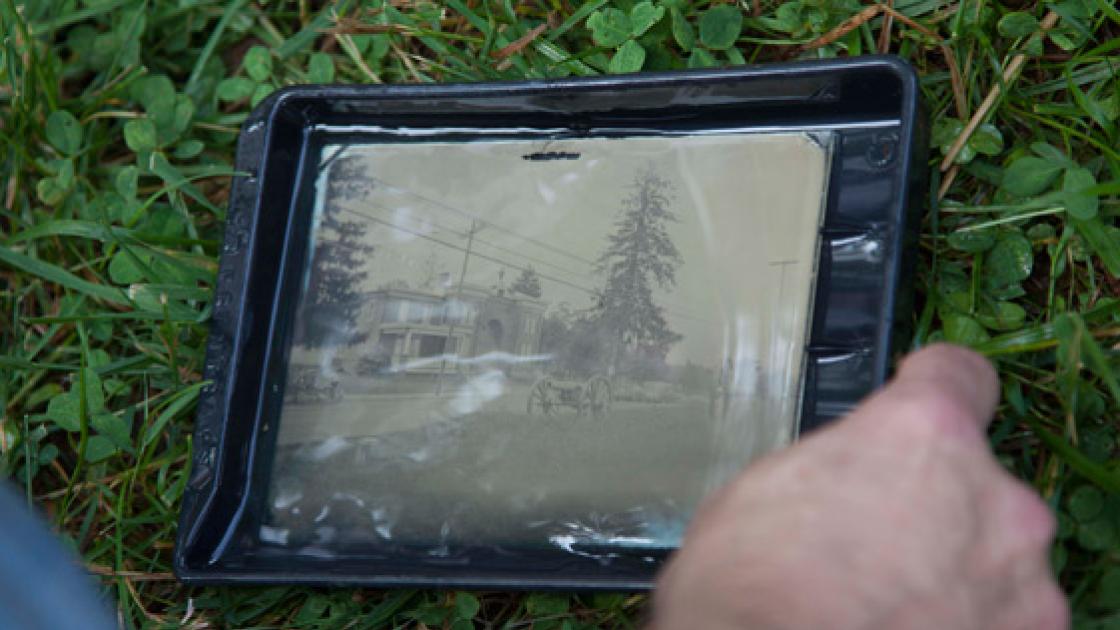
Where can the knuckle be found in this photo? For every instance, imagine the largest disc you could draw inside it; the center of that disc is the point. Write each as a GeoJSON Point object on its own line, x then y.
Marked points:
{"type": "Point", "coordinates": [958, 356]}
{"type": "Point", "coordinates": [953, 361]}
{"type": "Point", "coordinates": [933, 413]}
{"type": "Point", "coordinates": [1052, 608]}
{"type": "Point", "coordinates": [1030, 515]}
{"type": "Point", "coordinates": [1020, 524]}
{"type": "Point", "coordinates": [1035, 605]}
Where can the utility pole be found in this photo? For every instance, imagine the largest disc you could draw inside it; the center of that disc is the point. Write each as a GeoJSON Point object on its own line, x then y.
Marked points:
{"type": "Point", "coordinates": [474, 229]}
{"type": "Point", "coordinates": [782, 265]}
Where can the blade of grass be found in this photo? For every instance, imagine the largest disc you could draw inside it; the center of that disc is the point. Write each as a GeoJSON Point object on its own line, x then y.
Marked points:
{"type": "Point", "coordinates": [61, 277]}
{"type": "Point", "coordinates": [1087, 468]}
{"type": "Point", "coordinates": [228, 14]}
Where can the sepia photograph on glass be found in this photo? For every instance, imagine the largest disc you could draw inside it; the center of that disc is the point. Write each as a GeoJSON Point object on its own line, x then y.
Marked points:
{"type": "Point", "coordinates": [563, 343]}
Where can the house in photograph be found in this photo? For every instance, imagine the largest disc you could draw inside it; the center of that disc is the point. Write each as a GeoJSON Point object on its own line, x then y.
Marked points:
{"type": "Point", "coordinates": [415, 331]}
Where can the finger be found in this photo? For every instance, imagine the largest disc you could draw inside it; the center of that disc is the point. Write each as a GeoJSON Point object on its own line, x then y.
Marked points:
{"type": "Point", "coordinates": [958, 372]}
{"type": "Point", "coordinates": [1038, 605]}
{"type": "Point", "coordinates": [1021, 523]}
{"type": "Point", "coordinates": [1051, 607]}
{"type": "Point", "coordinates": [1018, 535]}
{"type": "Point", "coordinates": [941, 388]}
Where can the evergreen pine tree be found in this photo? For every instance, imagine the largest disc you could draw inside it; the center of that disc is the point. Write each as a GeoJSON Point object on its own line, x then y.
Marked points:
{"type": "Point", "coordinates": [333, 298]}
{"type": "Point", "coordinates": [639, 256]}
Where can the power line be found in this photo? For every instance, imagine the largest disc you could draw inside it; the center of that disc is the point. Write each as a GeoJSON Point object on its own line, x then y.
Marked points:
{"type": "Point", "coordinates": [527, 257]}
{"type": "Point", "coordinates": [506, 263]}
{"type": "Point", "coordinates": [498, 261]}
{"type": "Point", "coordinates": [460, 248]}
{"type": "Point", "coordinates": [475, 217]}
{"type": "Point", "coordinates": [480, 241]}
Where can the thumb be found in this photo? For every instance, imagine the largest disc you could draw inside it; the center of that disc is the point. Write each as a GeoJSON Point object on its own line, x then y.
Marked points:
{"type": "Point", "coordinates": [941, 387]}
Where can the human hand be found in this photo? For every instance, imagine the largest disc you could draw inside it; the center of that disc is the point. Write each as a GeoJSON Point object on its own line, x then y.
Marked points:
{"type": "Point", "coordinates": [897, 517]}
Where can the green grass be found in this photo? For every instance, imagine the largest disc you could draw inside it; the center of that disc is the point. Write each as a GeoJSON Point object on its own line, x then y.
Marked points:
{"type": "Point", "coordinates": [119, 121]}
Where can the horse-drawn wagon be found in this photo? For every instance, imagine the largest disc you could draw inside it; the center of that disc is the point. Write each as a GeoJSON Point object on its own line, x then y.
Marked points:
{"type": "Point", "coordinates": [586, 396]}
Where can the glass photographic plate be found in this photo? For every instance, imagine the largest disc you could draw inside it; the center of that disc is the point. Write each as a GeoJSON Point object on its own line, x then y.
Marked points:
{"type": "Point", "coordinates": [511, 335]}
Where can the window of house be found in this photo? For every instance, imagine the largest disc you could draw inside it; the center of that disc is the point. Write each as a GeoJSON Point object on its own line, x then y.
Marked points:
{"type": "Point", "coordinates": [439, 314]}
{"type": "Point", "coordinates": [460, 313]}
{"type": "Point", "coordinates": [431, 345]}
{"type": "Point", "coordinates": [387, 343]}
{"type": "Point", "coordinates": [393, 311]}
{"type": "Point", "coordinates": [417, 311]}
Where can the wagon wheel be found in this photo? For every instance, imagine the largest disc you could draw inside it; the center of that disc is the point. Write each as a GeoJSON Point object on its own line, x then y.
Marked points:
{"type": "Point", "coordinates": [581, 401]}
{"type": "Point", "coordinates": [297, 388]}
{"type": "Point", "coordinates": [597, 396]}
{"type": "Point", "coordinates": [541, 398]}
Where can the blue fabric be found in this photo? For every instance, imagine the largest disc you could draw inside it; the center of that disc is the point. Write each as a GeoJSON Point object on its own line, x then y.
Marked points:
{"type": "Point", "coordinates": [42, 587]}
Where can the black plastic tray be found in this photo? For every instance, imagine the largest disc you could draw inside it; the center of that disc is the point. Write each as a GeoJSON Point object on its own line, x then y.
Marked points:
{"type": "Point", "coordinates": [866, 250]}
